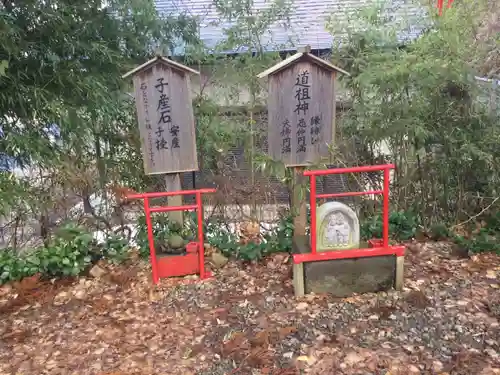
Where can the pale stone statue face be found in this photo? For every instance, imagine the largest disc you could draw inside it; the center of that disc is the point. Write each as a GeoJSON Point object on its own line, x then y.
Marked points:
{"type": "Point", "coordinates": [338, 219]}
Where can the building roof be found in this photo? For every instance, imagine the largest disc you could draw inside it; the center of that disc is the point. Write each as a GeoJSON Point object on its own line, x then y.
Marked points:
{"type": "Point", "coordinates": [300, 55]}
{"type": "Point", "coordinates": [163, 60]}
{"type": "Point", "coordinates": [307, 20]}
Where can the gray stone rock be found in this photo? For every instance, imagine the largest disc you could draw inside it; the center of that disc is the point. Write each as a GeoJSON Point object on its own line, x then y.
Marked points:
{"type": "Point", "coordinates": [219, 260]}
{"type": "Point", "coordinates": [97, 272]}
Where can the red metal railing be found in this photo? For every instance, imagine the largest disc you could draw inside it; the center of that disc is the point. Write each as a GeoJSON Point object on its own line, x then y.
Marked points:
{"type": "Point", "coordinates": [440, 5]}
{"type": "Point", "coordinates": [190, 207]}
{"type": "Point", "coordinates": [382, 249]}
{"type": "Point", "coordinates": [385, 192]}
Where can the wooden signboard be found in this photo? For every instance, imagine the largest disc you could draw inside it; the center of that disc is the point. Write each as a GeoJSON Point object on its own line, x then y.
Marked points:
{"type": "Point", "coordinates": [301, 116]}
{"type": "Point", "coordinates": [165, 116]}
{"type": "Point", "coordinates": [301, 108]}
{"type": "Point", "coordinates": [166, 122]}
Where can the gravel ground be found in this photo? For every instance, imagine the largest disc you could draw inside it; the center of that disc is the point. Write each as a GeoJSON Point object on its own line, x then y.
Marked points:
{"type": "Point", "coordinates": [246, 321]}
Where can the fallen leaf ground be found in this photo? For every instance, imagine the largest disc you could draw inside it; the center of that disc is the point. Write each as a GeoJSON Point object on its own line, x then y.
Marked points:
{"type": "Point", "coordinates": [246, 321]}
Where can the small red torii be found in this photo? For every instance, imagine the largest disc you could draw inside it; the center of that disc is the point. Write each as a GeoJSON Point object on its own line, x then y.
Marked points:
{"type": "Point", "coordinates": [440, 5]}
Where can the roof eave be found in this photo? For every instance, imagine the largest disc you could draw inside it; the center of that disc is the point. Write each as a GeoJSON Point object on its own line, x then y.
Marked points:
{"type": "Point", "coordinates": [283, 64]}
{"type": "Point", "coordinates": [164, 60]}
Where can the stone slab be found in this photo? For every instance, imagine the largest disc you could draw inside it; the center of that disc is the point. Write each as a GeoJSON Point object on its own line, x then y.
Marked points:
{"type": "Point", "coordinates": [344, 277]}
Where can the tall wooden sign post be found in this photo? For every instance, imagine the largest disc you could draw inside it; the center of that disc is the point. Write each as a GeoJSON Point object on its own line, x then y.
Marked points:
{"type": "Point", "coordinates": [166, 122]}
{"type": "Point", "coordinates": [301, 113]}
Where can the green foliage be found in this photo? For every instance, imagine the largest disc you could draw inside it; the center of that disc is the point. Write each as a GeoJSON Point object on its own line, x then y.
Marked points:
{"type": "Point", "coordinates": [160, 232]}
{"type": "Point", "coordinates": [276, 240]}
{"type": "Point", "coordinates": [439, 231]}
{"type": "Point", "coordinates": [229, 245]}
{"type": "Point", "coordinates": [4, 64]}
{"type": "Point", "coordinates": [222, 239]}
{"type": "Point", "coordinates": [402, 226]}
{"type": "Point", "coordinates": [64, 110]}
{"type": "Point", "coordinates": [421, 103]}
{"type": "Point", "coordinates": [164, 230]}
{"type": "Point", "coordinates": [280, 239]}
{"type": "Point", "coordinates": [216, 134]}
{"type": "Point", "coordinates": [219, 237]}
{"type": "Point", "coordinates": [493, 222]}
{"type": "Point", "coordinates": [115, 249]}
{"type": "Point", "coordinates": [69, 71]}
{"type": "Point", "coordinates": [72, 250]}
{"type": "Point", "coordinates": [69, 254]}
{"type": "Point", "coordinates": [14, 268]}
{"type": "Point", "coordinates": [405, 225]}
{"type": "Point", "coordinates": [484, 239]}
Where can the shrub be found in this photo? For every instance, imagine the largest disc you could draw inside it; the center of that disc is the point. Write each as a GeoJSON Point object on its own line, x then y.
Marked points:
{"type": "Point", "coordinates": [163, 229]}
{"type": "Point", "coordinates": [71, 251]}
{"type": "Point", "coordinates": [116, 249]}
{"type": "Point", "coordinates": [481, 242]}
{"type": "Point", "coordinates": [280, 239]}
{"type": "Point", "coordinates": [276, 240]}
{"type": "Point", "coordinates": [14, 268]}
{"type": "Point", "coordinates": [160, 232]}
{"type": "Point", "coordinates": [484, 239]}
{"type": "Point", "coordinates": [403, 225]}
{"type": "Point", "coordinates": [439, 232]}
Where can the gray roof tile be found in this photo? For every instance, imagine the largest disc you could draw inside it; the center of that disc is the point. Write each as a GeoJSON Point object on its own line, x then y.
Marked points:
{"type": "Point", "coordinates": [307, 20]}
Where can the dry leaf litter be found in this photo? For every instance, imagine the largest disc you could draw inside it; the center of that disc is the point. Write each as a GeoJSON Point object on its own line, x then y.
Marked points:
{"type": "Point", "coordinates": [246, 321]}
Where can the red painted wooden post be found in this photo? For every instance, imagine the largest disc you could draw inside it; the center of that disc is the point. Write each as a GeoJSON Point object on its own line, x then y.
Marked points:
{"type": "Point", "coordinates": [183, 264]}
{"type": "Point", "coordinates": [152, 250]}
{"type": "Point", "coordinates": [398, 250]}
{"type": "Point", "coordinates": [201, 245]}
{"type": "Point", "coordinates": [386, 209]}
{"type": "Point", "coordinates": [440, 5]}
{"type": "Point", "coordinates": [366, 168]}
{"type": "Point", "coordinates": [313, 213]}
{"type": "Point", "coordinates": [350, 194]}
{"type": "Point", "coordinates": [378, 247]}
{"type": "Point", "coordinates": [170, 193]}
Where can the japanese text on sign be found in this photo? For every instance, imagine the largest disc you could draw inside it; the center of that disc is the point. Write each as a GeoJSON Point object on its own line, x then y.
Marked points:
{"type": "Point", "coordinates": [315, 129]}
{"type": "Point", "coordinates": [165, 119]}
{"type": "Point", "coordinates": [162, 94]}
{"type": "Point", "coordinates": [145, 102]}
{"type": "Point", "coordinates": [286, 132]}
{"type": "Point", "coordinates": [302, 96]}
{"type": "Point", "coordinates": [301, 111]}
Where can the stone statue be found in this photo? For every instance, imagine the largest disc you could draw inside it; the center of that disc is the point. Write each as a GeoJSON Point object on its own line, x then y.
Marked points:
{"type": "Point", "coordinates": [337, 230]}
{"type": "Point", "coordinates": [337, 227]}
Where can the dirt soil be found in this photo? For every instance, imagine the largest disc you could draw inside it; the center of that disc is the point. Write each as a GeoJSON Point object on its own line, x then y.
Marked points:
{"type": "Point", "coordinates": [246, 321]}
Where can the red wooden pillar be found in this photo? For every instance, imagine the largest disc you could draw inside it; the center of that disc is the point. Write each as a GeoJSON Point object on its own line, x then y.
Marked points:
{"type": "Point", "coordinates": [180, 265]}
{"type": "Point", "coordinates": [440, 5]}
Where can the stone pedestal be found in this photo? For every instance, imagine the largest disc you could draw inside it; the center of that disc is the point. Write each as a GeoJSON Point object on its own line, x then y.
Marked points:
{"type": "Point", "coordinates": [342, 277]}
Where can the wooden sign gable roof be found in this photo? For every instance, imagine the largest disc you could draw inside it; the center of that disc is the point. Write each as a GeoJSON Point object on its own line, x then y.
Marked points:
{"type": "Point", "coordinates": [162, 60]}
{"type": "Point", "coordinates": [304, 54]}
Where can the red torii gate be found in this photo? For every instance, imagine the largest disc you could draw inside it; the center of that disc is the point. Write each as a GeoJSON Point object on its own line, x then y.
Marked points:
{"type": "Point", "coordinates": [193, 262]}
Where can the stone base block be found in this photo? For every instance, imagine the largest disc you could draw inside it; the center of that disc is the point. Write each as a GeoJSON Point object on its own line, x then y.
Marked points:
{"type": "Point", "coordinates": [343, 277]}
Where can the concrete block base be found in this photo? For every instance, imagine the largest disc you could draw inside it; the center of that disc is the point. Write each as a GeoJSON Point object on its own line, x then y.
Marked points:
{"type": "Point", "coordinates": [344, 277]}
